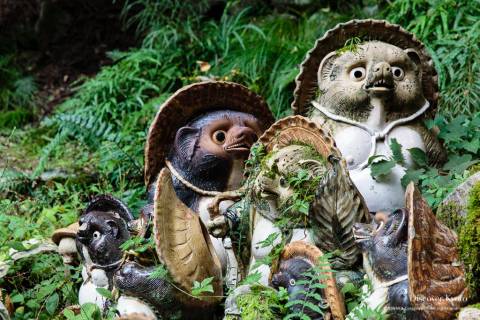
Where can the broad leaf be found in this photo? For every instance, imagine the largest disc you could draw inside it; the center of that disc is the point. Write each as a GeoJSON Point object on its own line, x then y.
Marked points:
{"type": "Point", "coordinates": [381, 168]}
{"type": "Point", "coordinates": [396, 151]}
{"type": "Point", "coordinates": [51, 303]}
{"type": "Point", "coordinates": [418, 156]}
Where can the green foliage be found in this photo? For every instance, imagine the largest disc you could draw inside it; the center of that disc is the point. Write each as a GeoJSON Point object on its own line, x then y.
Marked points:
{"type": "Point", "coordinates": [460, 136]}
{"type": "Point", "coordinates": [201, 287]}
{"type": "Point", "coordinates": [449, 214]}
{"type": "Point", "coordinates": [263, 303]}
{"type": "Point", "coordinates": [469, 242]}
{"type": "Point", "coordinates": [311, 299]}
{"type": "Point", "coordinates": [48, 286]}
{"type": "Point", "coordinates": [16, 94]}
{"type": "Point", "coordinates": [451, 31]}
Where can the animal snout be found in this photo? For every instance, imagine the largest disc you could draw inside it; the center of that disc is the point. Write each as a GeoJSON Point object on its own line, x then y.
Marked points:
{"type": "Point", "coordinates": [244, 134]}
{"type": "Point", "coordinates": [383, 68]}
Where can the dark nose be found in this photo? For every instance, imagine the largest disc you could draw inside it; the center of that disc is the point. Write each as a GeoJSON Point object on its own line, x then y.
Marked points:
{"type": "Point", "coordinates": [276, 281]}
{"type": "Point", "coordinates": [382, 68]}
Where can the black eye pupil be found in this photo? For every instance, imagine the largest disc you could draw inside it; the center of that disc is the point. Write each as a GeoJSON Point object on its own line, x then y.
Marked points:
{"type": "Point", "coordinates": [397, 72]}
{"type": "Point", "coordinates": [358, 74]}
{"type": "Point", "coordinates": [220, 136]}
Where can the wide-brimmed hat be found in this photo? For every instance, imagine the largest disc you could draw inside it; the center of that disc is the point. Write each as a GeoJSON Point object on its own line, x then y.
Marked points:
{"type": "Point", "coordinates": [436, 275]}
{"type": "Point", "coordinates": [298, 129]}
{"type": "Point", "coordinates": [183, 245]}
{"type": "Point", "coordinates": [189, 102]}
{"type": "Point", "coordinates": [106, 203]}
{"type": "Point", "coordinates": [366, 30]}
{"type": "Point", "coordinates": [312, 254]}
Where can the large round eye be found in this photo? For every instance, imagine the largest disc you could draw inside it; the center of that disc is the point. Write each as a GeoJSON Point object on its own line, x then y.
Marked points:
{"type": "Point", "coordinates": [219, 136]}
{"type": "Point", "coordinates": [292, 282]}
{"type": "Point", "coordinates": [96, 235]}
{"type": "Point", "coordinates": [283, 182]}
{"type": "Point", "coordinates": [398, 73]}
{"type": "Point", "coordinates": [358, 73]}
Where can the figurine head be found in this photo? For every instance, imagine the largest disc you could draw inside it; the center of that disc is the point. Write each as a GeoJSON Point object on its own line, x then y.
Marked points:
{"type": "Point", "coordinates": [222, 134]}
{"type": "Point", "coordinates": [359, 61]}
{"type": "Point", "coordinates": [102, 229]}
{"type": "Point", "coordinates": [385, 243]}
{"type": "Point", "coordinates": [349, 80]}
{"type": "Point", "coordinates": [275, 181]}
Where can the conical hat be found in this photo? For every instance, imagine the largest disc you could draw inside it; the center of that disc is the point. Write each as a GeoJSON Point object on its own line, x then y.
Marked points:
{"type": "Point", "coordinates": [189, 102]}
{"type": "Point", "coordinates": [183, 245]}
{"type": "Point", "coordinates": [304, 250]}
{"type": "Point", "coordinates": [298, 129]}
{"type": "Point", "coordinates": [366, 30]}
{"type": "Point", "coordinates": [436, 275]}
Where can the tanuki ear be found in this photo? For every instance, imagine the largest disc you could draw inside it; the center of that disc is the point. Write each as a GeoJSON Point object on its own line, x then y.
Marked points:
{"type": "Point", "coordinates": [113, 225]}
{"type": "Point", "coordinates": [186, 141]}
{"type": "Point", "coordinates": [325, 68]}
{"type": "Point", "coordinates": [413, 54]}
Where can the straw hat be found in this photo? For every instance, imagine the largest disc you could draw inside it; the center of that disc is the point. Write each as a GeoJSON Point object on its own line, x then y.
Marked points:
{"type": "Point", "coordinates": [189, 102]}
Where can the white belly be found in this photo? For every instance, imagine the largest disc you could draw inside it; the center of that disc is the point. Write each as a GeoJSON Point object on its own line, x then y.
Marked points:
{"type": "Point", "coordinates": [385, 193]}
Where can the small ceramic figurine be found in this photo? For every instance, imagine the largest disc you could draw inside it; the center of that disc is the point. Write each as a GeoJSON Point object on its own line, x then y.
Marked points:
{"type": "Point", "coordinates": [295, 146]}
{"type": "Point", "coordinates": [103, 227]}
{"type": "Point", "coordinates": [296, 259]}
{"type": "Point", "coordinates": [375, 83]}
{"type": "Point", "coordinates": [413, 262]}
{"type": "Point", "coordinates": [195, 151]}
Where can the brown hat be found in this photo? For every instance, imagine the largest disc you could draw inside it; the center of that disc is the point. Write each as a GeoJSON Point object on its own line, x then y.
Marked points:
{"type": "Point", "coordinates": [366, 30]}
{"type": "Point", "coordinates": [189, 102]}
{"type": "Point", "coordinates": [298, 129]}
{"type": "Point", "coordinates": [436, 275]}
{"type": "Point", "coordinates": [309, 252]}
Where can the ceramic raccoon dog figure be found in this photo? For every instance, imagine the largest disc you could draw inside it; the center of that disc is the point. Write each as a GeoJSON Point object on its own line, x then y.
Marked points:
{"type": "Point", "coordinates": [384, 247]}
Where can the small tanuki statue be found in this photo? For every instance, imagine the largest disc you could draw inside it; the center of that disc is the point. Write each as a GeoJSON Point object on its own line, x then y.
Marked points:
{"type": "Point", "coordinates": [371, 82]}
{"type": "Point", "coordinates": [196, 149]}
{"type": "Point", "coordinates": [301, 192]}
{"type": "Point", "coordinates": [413, 262]}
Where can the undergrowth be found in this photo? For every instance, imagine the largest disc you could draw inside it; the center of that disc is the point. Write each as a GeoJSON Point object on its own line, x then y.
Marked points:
{"type": "Point", "coordinates": [96, 137]}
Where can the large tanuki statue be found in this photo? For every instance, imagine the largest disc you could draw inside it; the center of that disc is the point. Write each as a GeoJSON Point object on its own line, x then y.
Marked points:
{"type": "Point", "coordinates": [375, 83]}
{"type": "Point", "coordinates": [195, 150]}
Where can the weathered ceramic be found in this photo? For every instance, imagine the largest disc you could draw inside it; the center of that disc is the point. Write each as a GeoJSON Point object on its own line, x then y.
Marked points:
{"type": "Point", "coordinates": [296, 259]}
{"type": "Point", "coordinates": [376, 83]}
{"type": "Point", "coordinates": [413, 263]}
{"type": "Point", "coordinates": [293, 144]}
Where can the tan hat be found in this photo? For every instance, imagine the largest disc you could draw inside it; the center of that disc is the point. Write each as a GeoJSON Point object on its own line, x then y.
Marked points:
{"type": "Point", "coordinates": [183, 244]}
{"type": "Point", "coordinates": [67, 232]}
{"type": "Point", "coordinates": [366, 30]}
{"type": "Point", "coordinates": [189, 102]}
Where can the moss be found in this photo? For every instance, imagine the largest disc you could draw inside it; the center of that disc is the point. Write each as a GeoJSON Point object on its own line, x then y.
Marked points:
{"type": "Point", "coordinates": [469, 242]}
{"type": "Point", "coordinates": [261, 303]}
{"type": "Point", "coordinates": [449, 215]}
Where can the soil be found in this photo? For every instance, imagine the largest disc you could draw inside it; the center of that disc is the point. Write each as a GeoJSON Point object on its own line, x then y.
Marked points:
{"type": "Point", "coordinates": [61, 41]}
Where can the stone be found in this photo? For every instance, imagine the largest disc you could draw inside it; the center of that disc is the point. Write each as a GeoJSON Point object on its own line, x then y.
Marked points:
{"type": "Point", "coordinates": [469, 313]}
{"type": "Point", "coordinates": [459, 196]}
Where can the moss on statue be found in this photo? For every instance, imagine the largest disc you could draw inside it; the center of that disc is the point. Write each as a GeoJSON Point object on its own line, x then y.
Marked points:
{"type": "Point", "coordinates": [261, 303]}
{"type": "Point", "coordinates": [449, 214]}
{"type": "Point", "coordinates": [469, 242]}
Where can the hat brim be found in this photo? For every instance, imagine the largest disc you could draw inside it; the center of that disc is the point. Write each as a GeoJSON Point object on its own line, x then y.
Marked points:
{"type": "Point", "coordinates": [183, 244]}
{"type": "Point", "coordinates": [189, 102]}
{"type": "Point", "coordinates": [434, 267]}
{"type": "Point", "coordinates": [367, 30]}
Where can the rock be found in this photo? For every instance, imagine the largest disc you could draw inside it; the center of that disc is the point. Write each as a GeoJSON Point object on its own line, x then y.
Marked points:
{"type": "Point", "coordinates": [459, 196]}
{"type": "Point", "coordinates": [469, 313]}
